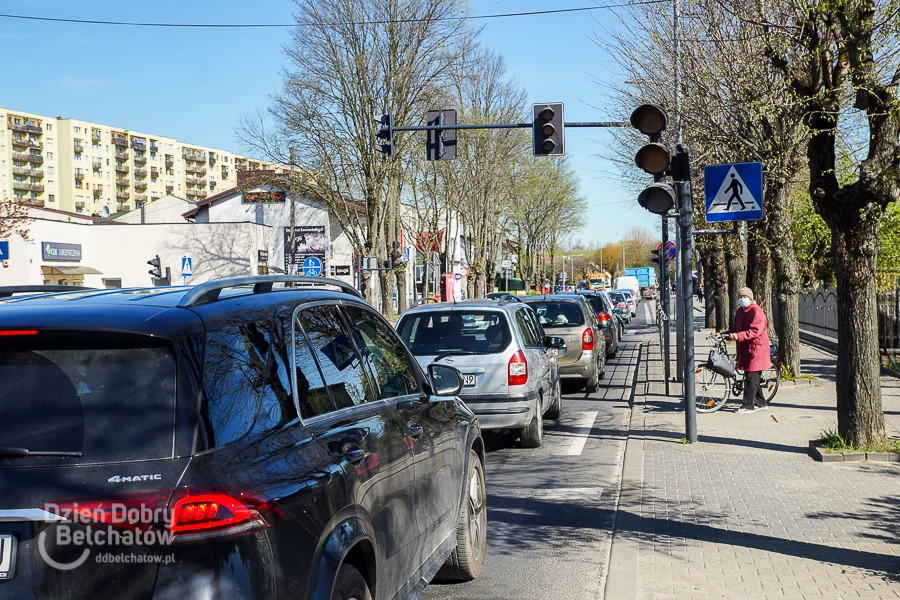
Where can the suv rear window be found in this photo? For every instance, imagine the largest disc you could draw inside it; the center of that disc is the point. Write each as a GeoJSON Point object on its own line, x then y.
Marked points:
{"type": "Point", "coordinates": [595, 301]}
{"type": "Point", "coordinates": [435, 332]}
{"type": "Point", "coordinates": [618, 297]}
{"type": "Point", "coordinates": [111, 398]}
{"type": "Point", "coordinates": [558, 314]}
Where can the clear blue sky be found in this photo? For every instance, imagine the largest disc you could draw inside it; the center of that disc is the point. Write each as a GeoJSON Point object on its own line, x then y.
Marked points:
{"type": "Point", "coordinates": [194, 84]}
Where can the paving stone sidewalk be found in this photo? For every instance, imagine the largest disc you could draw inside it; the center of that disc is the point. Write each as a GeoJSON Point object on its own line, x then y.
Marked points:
{"type": "Point", "coordinates": [746, 513]}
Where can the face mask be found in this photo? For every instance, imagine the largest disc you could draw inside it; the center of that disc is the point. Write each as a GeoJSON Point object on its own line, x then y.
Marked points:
{"type": "Point", "coordinates": [743, 302]}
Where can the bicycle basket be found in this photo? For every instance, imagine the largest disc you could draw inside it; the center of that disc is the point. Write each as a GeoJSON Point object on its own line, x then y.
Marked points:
{"type": "Point", "coordinates": [721, 364]}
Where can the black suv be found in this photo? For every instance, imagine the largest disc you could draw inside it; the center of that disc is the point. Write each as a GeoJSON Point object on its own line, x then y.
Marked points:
{"type": "Point", "coordinates": [229, 440]}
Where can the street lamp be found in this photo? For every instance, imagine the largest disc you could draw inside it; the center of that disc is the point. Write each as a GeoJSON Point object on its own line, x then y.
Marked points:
{"type": "Point", "coordinates": [572, 256]}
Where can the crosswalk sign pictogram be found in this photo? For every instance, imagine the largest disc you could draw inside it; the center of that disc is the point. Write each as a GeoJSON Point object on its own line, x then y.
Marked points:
{"type": "Point", "coordinates": [187, 266]}
{"type": "Point", "coordinates": [734, 192]}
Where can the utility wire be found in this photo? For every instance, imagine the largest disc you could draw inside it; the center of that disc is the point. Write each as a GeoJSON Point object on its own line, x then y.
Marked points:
{"type": "Point", "coordinates": [378, 22]}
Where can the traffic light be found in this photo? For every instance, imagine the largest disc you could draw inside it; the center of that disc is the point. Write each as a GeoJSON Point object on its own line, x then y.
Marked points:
{"type": "Point", "coordinates": [440, 145]}
{"type": "Point", "coordinates": [386, 133]}
{"type": "Point", "coordinates": [396, 256]}
{"type": "Point", "coordinates": [659, 257]}
{"type": "Point", "coordinates": [548, 129]}
{"type": "Point", "coordinates": [654, 158]}
{"type": "Point", "coordinates": [156, 271]}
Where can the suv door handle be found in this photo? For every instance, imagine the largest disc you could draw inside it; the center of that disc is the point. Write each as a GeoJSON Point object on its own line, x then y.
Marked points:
{"type": "Point", "coordinates": [354, 454]}
{"type": "Point", "coordinates": [415, 431]}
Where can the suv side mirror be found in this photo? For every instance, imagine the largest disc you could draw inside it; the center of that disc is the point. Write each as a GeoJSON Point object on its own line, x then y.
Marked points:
{"type": "Point", "coordinates": [554, 342]}
{"type": "Point", "coordinates": [444, 379]}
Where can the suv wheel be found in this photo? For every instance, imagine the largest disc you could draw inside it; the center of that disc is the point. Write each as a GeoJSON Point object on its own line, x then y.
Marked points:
{"type": "Point", "coordinates": [350, 585]}
{"type": "Point", "coordinates": [466, 562]}
{"type": "Point", "coordinates": [533, 435]}
{"type": "Point", "coordinates": [592, 384]}
{"type": "Point", "coordinates": [555, 410]}
{"type": "Point", "coordinates": [601, 368]}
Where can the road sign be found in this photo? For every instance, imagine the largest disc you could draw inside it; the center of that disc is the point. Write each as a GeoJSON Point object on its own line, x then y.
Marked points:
{"type": "Point", "coordinates": [458, 276]}
{"type": "Point", "coordinates": [671, 250]}
{"type": "Point", "coordinates": [506, 264]}
{"type": "Point", "coordinates": [4, 250]}
{"type": "Point", "coordinates": [312, 266]}
{"type": "Point", "coordinates": [734, 192]}
{"type": "Point", "coordinates": [464, 271]}
{"type": "Point", "coordinates": [187, 266]}
{"type": "Point", "coordinates": [407, 254]}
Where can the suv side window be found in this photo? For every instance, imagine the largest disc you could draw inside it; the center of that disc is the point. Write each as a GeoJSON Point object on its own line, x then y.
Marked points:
{"type": "Point", "coordinates": [336, 356]}
{"type": "Point", "coordinates": [312, 397]}
{"type": "Point", "coordinates": [234, 372]}
{"type": "Point", "coordinates": [527, 333]}
{"type": "Point", "coordinates": [535, 325]}
{"type": "Point", "coordinates": [385, 354]}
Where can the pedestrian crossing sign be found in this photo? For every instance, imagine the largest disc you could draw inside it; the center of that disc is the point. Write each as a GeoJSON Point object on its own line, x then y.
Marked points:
{"type": "Point", "coordinates": [734, 192]}
{"type": "Point", "coordinates": [187, 266]}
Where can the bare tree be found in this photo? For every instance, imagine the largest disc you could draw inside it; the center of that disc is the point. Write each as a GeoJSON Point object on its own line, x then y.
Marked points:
{"type": "Point", "coordinates": [14, 219]}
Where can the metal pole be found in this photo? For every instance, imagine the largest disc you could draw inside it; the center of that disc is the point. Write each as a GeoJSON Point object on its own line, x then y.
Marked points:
{"type": "Point", "coordinates": [509, 126]}
{"type": "Point", "coordinates": [679, 304]}
{"type": "Point", "coordinates": [664, 299]}
{"type": "Point", "coordinates": [293, 239]}
{"type": "Point", "coordinates": [686, 223]}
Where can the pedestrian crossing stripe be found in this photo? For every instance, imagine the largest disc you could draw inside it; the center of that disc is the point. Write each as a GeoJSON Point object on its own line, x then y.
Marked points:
{"type": "Point", "coordinates": [733, 196]}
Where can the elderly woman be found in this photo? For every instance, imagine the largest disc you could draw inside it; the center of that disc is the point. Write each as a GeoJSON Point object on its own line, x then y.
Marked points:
{"type": "Point", "coordinates": [751, 331]}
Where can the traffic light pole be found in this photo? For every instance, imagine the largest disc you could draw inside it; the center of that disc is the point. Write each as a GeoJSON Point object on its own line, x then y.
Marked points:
{"type": "Point", "coordinates": [664, 299]}
{"type": "Point", "coordinates": [682, 176]}
{"type": "Point", "coordinates": [507, 126]}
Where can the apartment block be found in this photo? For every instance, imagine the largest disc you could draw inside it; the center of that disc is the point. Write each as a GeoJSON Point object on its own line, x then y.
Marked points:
{"type": "Point", "coordinates": [84, 167]}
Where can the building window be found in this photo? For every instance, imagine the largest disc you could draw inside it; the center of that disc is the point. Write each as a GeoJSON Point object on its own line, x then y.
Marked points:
{"type": "Point", "coordinates": [51, 169]}
{"type": "Point", "coordinates": [48, 126]}
{"type": "Point", "coordinates": [52, 198]}
{"type": "Point", "coordinates": [52, 186]}
{"type": "Point", "coordinates": [49, 156]}
{"type": "Point", "coordinates": [77, 129]}
{"type": "Point", "coordinates": [112, 283]}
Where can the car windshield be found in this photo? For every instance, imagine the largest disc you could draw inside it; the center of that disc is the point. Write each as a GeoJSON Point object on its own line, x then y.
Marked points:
{"type": "Point", "coordinates": [628, 296]}
{"type": "Point", "coordinates": [558, 313]}
{"type": "Point", "coordinates": [618, 297]}
{"type": "Point", "coordinates": [436, 332]}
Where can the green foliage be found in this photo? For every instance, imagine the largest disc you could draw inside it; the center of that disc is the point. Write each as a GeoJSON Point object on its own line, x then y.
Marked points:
{"type": "Point", "coordinates": [889, 239]}
{"type": "Point", "coordinates": [832, 440]}
{"type": "Point", "coordinates": [834, 443]}
{"type": "Point", "coordinates": [812, 239]}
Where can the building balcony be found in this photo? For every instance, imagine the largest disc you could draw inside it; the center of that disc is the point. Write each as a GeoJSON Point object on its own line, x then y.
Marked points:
{"type": "Point", "coordinates": [120, 142]}
{"type": "Point", "coordinates": [212, 161]}
{"type": "Point", "coordinates": [98, 192]}
{"type": "Point", "coordinates": [196, 193]}
{"type": "Point", "coordinates": [28, 172]}
{"type": "Point", "coordinates": [122, 169]}
{"type": "Point", "coordinates": [123, 181]}
{"type": "Point", "coordinates": [170, 189]}
{"type": "Point", "coordinates": [26, 128]}
{"type": "Point", "coordinates": [122, 208]}
{"type": "Point", "coordinates": [139, 146]}
{"type": "Point", "coordinates": [140, 198]}
{"type": "Point", "coordinates": [27, 143]}
{"type": "Point", "coordinates": [140, 160]}
{"type": "Point", "coordinates": [79, 204]}
{"type": "Point", "coordinates": [32, 158]}
{"type": "Point", "coordinates": [170, 163]}
{"type": "Point", "coordinates": [195, 169]}
{"type": "Point", "coordinates": [38, 202]}
{"type": "Point", "coordinates": [24, 186]}
{"type": "Point", "coordinates": [154, 147]}
{"type": "Point", "coordinates": [201, 158]}
{"type": "Point", "coordinates": [96, 137]}
{"type": "Point", "coordinates": [122, 155]}
{"type": "Point", "coordinates": [79, 176]}
{"type": "Point", "coordinates": [123, 195]}
{"type": "Point", "coordinates": [79, 147]}
{"type": "Point", "coordinates": [97, 165]}
{"type": "Point", "coordinates": [140, 185]}
{"type": "Point", "coordinates": [154, 172]}
{"type": "Point", "coordinates": [140, 172]}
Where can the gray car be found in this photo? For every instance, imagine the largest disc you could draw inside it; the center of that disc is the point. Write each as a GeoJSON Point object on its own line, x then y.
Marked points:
{"type": "Point", "coordinates": [573, 319]}
{"type": "Point", "coordinates": [509, 366]}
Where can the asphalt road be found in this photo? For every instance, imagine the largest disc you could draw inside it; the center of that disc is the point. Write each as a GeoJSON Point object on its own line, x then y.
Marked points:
{"type": "Point", "coordinates": [551, 509]}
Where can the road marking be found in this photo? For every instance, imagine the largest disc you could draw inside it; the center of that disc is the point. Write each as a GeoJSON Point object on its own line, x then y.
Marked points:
{"type": "Point", "coordinates": [582, 428]}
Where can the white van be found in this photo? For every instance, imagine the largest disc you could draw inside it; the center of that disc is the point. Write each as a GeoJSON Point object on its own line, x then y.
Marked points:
{"type": "Point", "coordinates": [629, 282]}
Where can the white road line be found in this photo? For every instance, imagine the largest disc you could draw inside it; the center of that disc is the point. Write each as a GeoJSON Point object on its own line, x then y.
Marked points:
{"type": "Point", "coordinates": [583, 426]}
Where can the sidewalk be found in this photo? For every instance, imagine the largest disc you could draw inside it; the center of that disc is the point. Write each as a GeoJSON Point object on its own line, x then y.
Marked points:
{"type": "Point", "coordinates": [746, 513]}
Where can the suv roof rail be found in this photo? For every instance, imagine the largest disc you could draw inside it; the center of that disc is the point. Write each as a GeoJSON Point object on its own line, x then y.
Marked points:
{"type": "Point", "coordinates": [9, 290]}
{"type": "Point", "coordinates": [205, 293]}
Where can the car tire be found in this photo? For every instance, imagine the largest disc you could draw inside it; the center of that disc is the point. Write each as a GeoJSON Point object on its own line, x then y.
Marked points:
{"type": "Point", "coordinates": [602, 367]}
{"type": "Point", "coordinates": [466, 562]}
{"type": "Point", "coordinates": [350, 585]}
{"type": "Point", "coordinates": [533, 435]}
{"type": "Point", "coordinates": [592, 384]}
{"type": "Point", "coordinates": [555, 410]}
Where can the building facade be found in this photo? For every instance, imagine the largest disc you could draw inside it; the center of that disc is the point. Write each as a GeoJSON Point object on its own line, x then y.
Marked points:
{"type": "Point", "coordinates": [83, 167]}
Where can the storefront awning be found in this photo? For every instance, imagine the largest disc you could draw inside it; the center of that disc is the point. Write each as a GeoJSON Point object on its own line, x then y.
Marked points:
{"type": "Point", "coordinates": [74, 270]}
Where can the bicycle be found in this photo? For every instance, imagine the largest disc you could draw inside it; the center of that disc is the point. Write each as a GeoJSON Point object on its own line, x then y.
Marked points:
{"type": "Point", "coordinates": [713, 389]}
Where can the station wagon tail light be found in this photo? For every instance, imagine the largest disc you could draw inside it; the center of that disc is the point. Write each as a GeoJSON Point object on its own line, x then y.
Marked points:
{"type": "Point", "coordinates": [187, 515]}
{"type": "Point", "coordinates": [605, 318]}
{"type": "Point", "coordinates": [621, 305]}
{"type": "Point", "coordinates": [17, 332]}
{"type": "Point", "coordinates": [518, 369]}
{"type": "Point", "coordinates": [587, 339]}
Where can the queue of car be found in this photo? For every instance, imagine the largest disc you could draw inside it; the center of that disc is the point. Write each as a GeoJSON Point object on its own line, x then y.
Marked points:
{"type": "Point", "coordinates": [285, 442]}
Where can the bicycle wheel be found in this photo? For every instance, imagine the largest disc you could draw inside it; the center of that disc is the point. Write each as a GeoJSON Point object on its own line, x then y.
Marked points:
{"type": "Point", "coordinates": [769, 381]}
{"type": "Point", "coordinates": [712, 390]}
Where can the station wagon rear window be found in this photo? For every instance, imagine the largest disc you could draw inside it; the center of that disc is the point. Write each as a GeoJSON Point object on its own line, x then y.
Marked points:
{"type": "Point", "coordinates": [110, 398]}
{"type": "Point", "coordinates": [435, 332]}
{"type": "Point", "coordinates": [558, 314]}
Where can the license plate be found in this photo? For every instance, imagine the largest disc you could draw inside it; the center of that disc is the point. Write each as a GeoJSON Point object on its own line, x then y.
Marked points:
{"type": "Point", "coordinates": [7, 556]}
{"type": "Point", "coordinates": [469, 380]}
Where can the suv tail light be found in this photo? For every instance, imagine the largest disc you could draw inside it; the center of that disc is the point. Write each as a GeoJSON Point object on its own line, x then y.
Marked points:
{"type": "Point", "coordinates": [621, 305]}
{"type": "Point", "coordinates": [17, 332]}
{"type": "Point", "coordinates": [587, 339]}
{"type": "Point", "coordinates": [518, 369]}
{"type": "Point", "coordinates": [186, 515]}
{"type": "Point", "coordinates": [605, 319]}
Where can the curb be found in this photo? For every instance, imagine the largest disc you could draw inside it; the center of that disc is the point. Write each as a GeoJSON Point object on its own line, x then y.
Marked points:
{"type": "Point", "coordinates": [818, 453]}
{"type": "Point", "coordinates": [621, 568]}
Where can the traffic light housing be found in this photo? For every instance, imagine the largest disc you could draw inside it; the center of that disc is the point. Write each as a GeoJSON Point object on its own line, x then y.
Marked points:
{"type": "Point", "coordinates": [156, 271]}
{"type": "Point", "coordinates": [654, 158]}
{"type": "Point", "coordinates": [386, 133]}
{"type": "Point", "coordinates": [548, 129]}
{"type": "Point", "coordinates": [658, 257]}
{"type": "Point", "coordinates": [396, 256]}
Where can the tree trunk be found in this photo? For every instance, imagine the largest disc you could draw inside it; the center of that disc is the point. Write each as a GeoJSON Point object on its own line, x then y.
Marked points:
{"type": "Point", "coordinates": [402, 289]}
{"type": "Point", "coordinates": [720, 276]}
{"type": "Point", "coordinates": [480, 285]}
{"type": "Point", "coordinates": [787, 278]}
{"type": "Point", "coordinates": [759, 271]}
{"type": "Point", "coordinates": [709, 285]}
{"type": "Point", "coordinates": [859, 408]}
{"type": "Point", "coordinates": [736, 265]}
